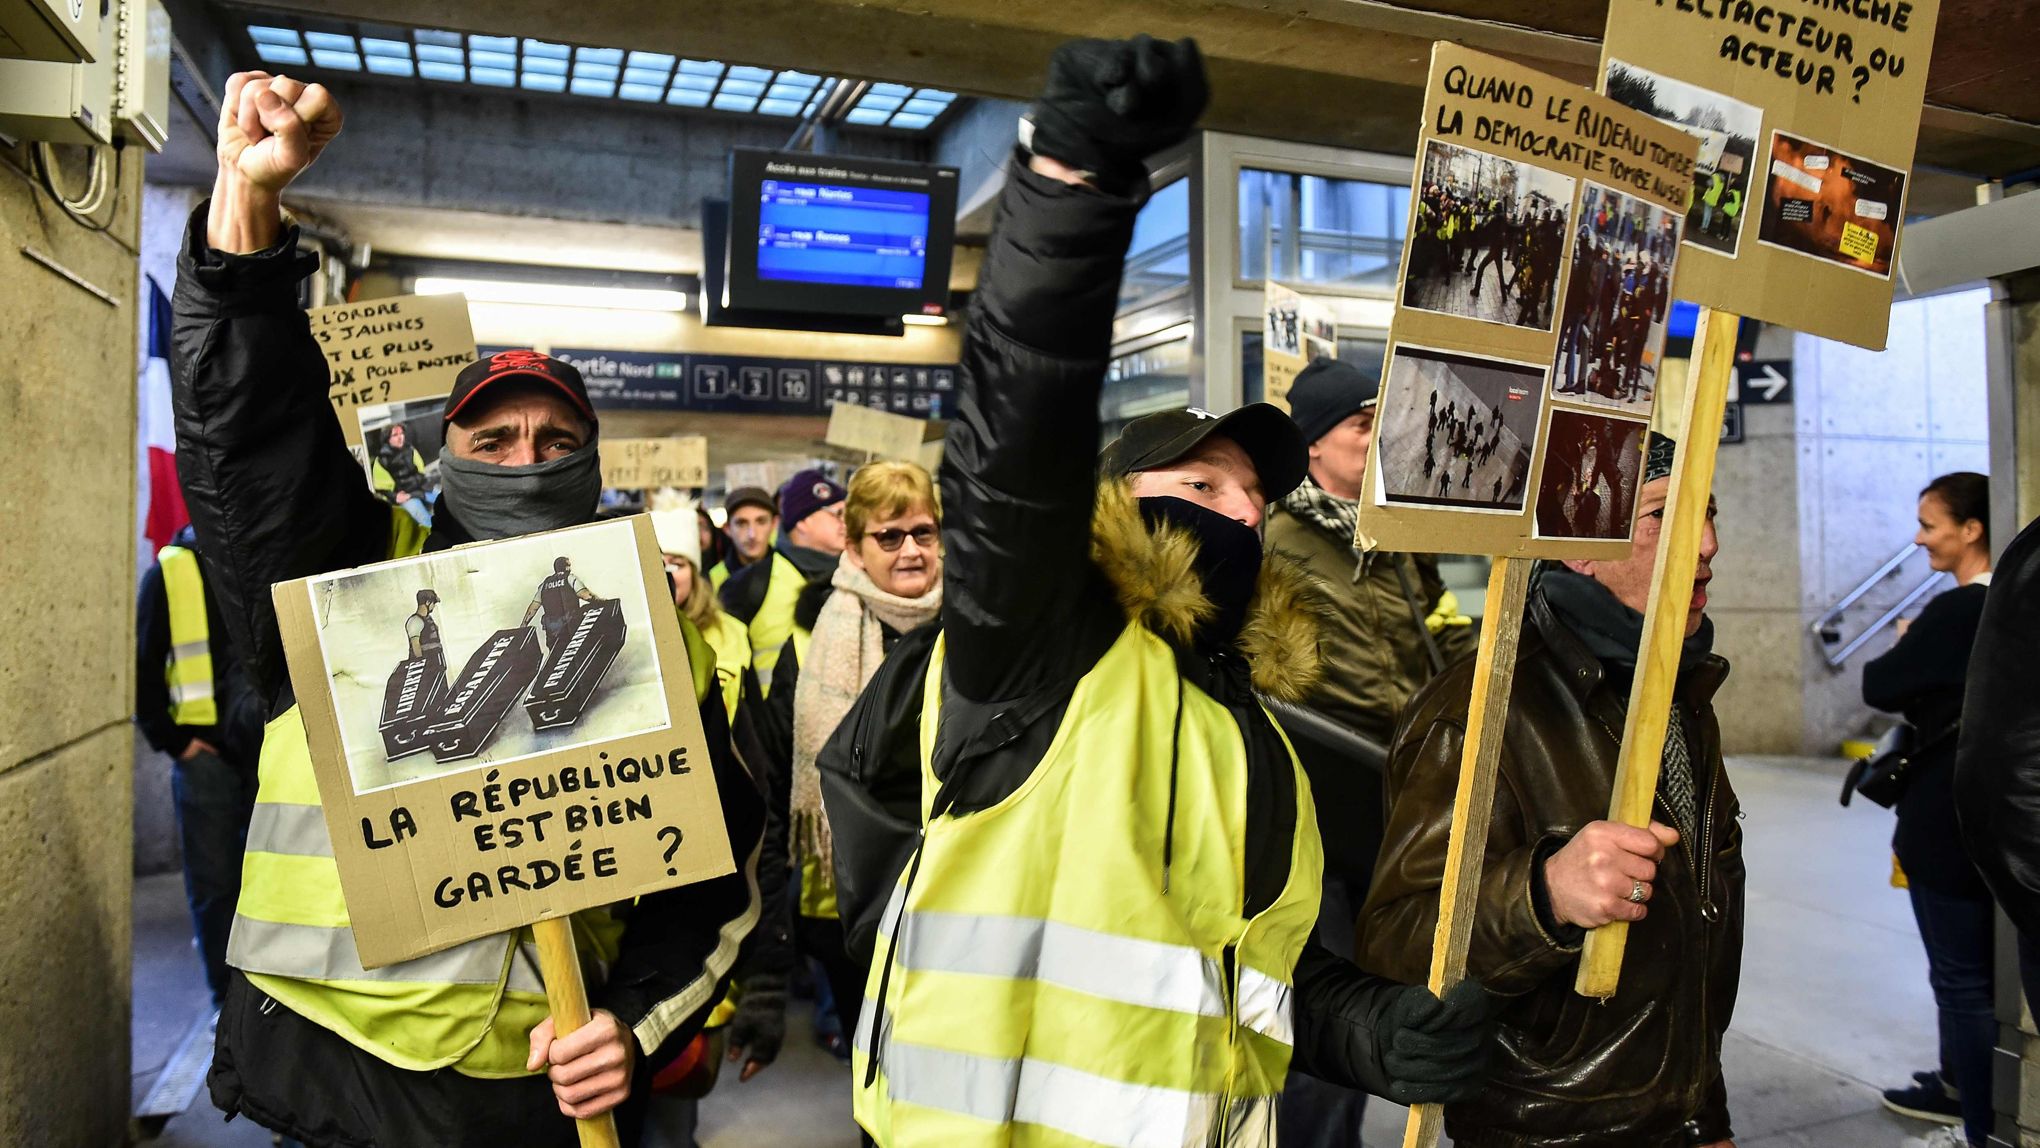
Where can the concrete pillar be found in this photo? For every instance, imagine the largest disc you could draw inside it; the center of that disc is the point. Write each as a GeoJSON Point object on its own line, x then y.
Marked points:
{"type": "Point", "coordinates": [1873, 428]}
{"type": "Point", "coordinates": [66, 635]}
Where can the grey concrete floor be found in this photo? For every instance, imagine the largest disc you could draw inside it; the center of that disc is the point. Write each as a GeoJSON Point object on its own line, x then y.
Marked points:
{"type": "Point", "coordinates": [1834, 1002]}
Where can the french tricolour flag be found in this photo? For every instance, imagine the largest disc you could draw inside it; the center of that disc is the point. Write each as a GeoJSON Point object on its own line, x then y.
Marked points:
{"type": "Point", "coordinates": [162, 510]}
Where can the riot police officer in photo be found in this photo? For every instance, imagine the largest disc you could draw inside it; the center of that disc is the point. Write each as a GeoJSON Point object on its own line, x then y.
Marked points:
{"type": "Point", "coordinates": [560, 596]}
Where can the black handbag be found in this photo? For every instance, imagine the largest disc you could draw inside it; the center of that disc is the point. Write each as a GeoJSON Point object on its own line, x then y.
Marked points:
{"type": "Point", "coordinates": [1883, 776]}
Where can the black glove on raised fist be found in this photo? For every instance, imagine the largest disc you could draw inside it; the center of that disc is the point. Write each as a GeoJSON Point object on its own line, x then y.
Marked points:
{"type": "Point", "coordinates": [1109, 104]}
{"type": "Point", "coordinates": [1435, 1050]}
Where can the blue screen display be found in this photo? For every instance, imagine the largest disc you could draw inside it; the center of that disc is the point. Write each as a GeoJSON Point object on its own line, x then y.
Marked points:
{"type": "Point", "coordinates": [844, 236]}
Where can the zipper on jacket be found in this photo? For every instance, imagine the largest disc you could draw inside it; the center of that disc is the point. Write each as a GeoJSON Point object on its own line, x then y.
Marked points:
{"type": "Point", "coordinates": [1175, 759]}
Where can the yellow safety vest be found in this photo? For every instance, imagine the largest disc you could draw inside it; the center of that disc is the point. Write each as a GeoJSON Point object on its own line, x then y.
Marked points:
{"type": "Point", "coordinates": [732, 645]}
{"type": "Point", "coordinates": [1051, 984]}
{"type": "Point", "coordinates": [773, 623]}
{"type": "Point", "coordinates": [189, 671]}
{"type": "Point", "coordinates": [471, 1007]}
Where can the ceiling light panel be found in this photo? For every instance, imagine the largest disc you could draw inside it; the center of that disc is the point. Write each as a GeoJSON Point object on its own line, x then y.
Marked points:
{"type": "Point", "coordinates": [601, 73]}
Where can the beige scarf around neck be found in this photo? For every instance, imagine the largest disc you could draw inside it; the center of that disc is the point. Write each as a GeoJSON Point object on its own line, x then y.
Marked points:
{"type": "Point", "coordinates": [844, 653]}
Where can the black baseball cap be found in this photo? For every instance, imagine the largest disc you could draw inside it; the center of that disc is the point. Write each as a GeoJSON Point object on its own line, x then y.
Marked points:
{"type": "Point", "coordinates": [1268, 436]}
{"type": "Point", "coordinates": [480, 374]}
{"type": "Point", "coordinates": [750, 496]}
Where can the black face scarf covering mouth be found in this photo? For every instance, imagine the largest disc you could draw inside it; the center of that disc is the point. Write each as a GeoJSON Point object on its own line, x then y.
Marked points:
{"type": "Point", "coordinates": [494, 501]}
{"type": "Point", "coordinates": [1228, 562]}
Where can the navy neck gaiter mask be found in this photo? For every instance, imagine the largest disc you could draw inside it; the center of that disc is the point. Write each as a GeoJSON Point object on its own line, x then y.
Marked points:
{"type": "Point", "coordinates": [1228, 563]}
{"type": "Point", "coordinates": [495, 501]}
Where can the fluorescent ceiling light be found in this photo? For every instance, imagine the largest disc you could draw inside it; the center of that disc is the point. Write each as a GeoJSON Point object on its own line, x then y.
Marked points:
{"type": "Point", "coordinates": [924, 320]}
{"type": "Point", "coordinates": [553, 294]}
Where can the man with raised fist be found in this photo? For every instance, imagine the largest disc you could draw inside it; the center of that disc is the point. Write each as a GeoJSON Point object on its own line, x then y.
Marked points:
{"type": "Point", "coordinates": [456, 1048]}
{"type": "Point", "coordinates": [1103, 935]}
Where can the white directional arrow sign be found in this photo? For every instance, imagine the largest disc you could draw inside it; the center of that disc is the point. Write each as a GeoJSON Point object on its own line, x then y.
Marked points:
{"type": "Point", "coordinates": [1765, 382]}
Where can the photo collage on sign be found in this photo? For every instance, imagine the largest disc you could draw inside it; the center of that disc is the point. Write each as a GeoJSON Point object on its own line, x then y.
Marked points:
{"type": "Point", "coordinates": [1460, 431]}
{"type": "Point", "coordinates": [1498, 241]}
{"type": "Point", "coordinates": [428, 660]}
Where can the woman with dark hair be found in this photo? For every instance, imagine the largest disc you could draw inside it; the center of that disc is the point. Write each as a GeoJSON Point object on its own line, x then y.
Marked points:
{"type": "Point", "coordinates": [1922, 679]}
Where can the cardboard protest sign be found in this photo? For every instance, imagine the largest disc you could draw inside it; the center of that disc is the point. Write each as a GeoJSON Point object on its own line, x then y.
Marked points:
{"type": "Point", "coordinates": [1294, 331]}
{"type": "Point", "coordinates": [1529, 327]}
{"type": "Point", "coordinates": [879, 433]}
{"type": "Point", "coordinates": [650, 463]}
{"type": "Point", "coordinates": [392, 362]}
{"type": "Point", "coordinates": [1808, 115]}
{"type": "Point", "coordinates": [502, 732]}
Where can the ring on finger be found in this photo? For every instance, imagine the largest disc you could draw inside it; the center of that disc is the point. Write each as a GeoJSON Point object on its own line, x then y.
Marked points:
{"type": "Point", "coordinates": [1638, 891]}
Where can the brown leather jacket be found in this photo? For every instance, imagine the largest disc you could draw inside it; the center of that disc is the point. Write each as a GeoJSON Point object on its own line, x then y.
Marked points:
{"type": "Point", "coordinates": [1644, 1069]}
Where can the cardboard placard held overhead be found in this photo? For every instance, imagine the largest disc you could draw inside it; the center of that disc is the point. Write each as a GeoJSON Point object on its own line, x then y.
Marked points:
{"type": "Point", "coordinates": [1529, 325]}
{"type": "Point", "coordinates": [650, 463]}
{"type": "Point", "coordinates": [1294, 331]}
{"type": "Point", "coordinates": [1808, 116]}
{"type": "Point", "coordinates": [388, 353]}
{"type": "Point", "coordinates": [880, 433]}
{"type": "Point", "coordinates": [502, 732]}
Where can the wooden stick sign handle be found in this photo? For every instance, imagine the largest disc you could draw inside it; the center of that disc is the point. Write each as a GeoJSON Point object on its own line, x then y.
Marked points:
{"type": "Point", "coordinates": [1474, 801]}
{"type": "Point", "coordinates": [560, 966]}
{"type": "Point", "coordinates": [1664, 620]}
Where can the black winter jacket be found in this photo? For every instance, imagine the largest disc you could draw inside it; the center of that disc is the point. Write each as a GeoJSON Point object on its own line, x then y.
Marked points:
{"type": "Point", "coordinates": [1922, 677]}
{"type": "Point", "coordinates": [275, 496]}
{"type": "Point", "coordinates": [1026, 610]}
{"type": "Point", "coordinates": [1997, 763]}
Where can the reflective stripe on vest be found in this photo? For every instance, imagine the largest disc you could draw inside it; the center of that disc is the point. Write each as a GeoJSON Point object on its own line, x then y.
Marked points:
{"type": "Point", "coordinates": [189, 672]}
{"type": "Point", "coordinates": [1038, 977]}
{"type": "Point", "coordinates": [773, 623]}
{"type": "Point", "coordinates": [1035, 1093]}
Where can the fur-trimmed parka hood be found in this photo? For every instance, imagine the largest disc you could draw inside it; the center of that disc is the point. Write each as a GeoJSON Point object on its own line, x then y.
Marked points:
{"type": "Point", "coordinates": [1153, 569]}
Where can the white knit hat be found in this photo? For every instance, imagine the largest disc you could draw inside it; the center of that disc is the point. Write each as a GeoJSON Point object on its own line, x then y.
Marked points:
{"type": "Point", "coordinates": [675, 524]}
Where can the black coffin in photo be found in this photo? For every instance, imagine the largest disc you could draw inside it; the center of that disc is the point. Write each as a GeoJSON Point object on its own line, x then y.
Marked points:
{"type": "Point", "coordinates": [488, 686]}
{"type": "Point", "coordinates": [411, 701]}
{"type": "Point", "coordinates": [568, 679]}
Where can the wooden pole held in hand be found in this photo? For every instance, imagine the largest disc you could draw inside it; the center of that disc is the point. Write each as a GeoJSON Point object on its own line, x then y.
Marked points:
{"type": "Point", "coordinates": [1474, 802]}
{"type": "Point", "coordinates": [560, 966]}
{"type": "Point", "coordinates": [1664, 621]}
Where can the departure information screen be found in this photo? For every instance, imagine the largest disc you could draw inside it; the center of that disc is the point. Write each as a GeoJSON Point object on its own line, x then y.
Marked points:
{"type": "Point", "coordinates": [845, 236]}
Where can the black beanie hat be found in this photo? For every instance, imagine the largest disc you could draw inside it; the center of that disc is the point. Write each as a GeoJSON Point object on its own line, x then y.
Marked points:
{"type": "Point", "coordinates": [1327, 391]}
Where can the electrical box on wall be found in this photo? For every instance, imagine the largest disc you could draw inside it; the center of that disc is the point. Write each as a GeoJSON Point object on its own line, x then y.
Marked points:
{"type": "Point", "coordinates": [66, 102]}
{"type": "Point", "coordinates": [61, 31]}
{"type": "Point", "coordinates": [141, 82]}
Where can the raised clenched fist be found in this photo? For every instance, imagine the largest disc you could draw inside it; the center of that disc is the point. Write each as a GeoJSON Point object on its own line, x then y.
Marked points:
{"type": "Point", "coordinates": [1109, 104]}
{"type": "Point", "coordinates": [1592, 879]}
{"type": "Point", "coordinates": [271, 129]}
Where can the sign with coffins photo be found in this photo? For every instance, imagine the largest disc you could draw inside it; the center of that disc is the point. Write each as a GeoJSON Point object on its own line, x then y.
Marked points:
{"type": "Point", "coordinates": [1523, 362]}
{"type": "Point", "coordinates": [502, 732]}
